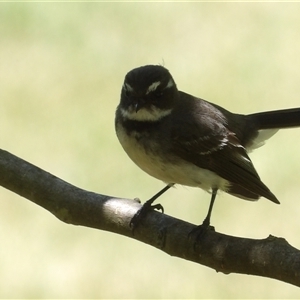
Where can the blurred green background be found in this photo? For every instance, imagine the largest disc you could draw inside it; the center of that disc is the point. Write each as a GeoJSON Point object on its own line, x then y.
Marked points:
{"type": "Point", "coordinates": [61, 70]}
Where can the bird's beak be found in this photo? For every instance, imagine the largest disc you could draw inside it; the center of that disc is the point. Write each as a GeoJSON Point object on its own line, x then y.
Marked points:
{"type": "Point", "coordinates": [139, 105]}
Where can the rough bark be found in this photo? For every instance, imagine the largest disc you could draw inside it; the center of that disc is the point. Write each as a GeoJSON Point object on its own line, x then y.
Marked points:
{"type": "Point", "coordinates": [270, 257]}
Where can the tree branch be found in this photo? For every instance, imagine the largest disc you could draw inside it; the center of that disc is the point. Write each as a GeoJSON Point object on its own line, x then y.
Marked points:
{"type": "Point", "coordinates": [271, 257]}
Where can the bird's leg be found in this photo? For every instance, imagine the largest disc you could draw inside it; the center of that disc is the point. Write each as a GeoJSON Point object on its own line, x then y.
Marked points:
{"type": "Point", "coordinates": [206, 221]}
{"type": "Point", "coordinates": [147, 206]}
{"type": "Point", "coordinates": [201, 229]}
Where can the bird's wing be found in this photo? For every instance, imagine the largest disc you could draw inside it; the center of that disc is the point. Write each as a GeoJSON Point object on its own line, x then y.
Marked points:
{"type": "Point", "coordinates": [219, 150]}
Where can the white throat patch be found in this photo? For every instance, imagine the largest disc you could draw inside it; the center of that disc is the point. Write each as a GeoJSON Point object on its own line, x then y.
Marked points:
{"type": "Point", "coordinates": [153, 114]}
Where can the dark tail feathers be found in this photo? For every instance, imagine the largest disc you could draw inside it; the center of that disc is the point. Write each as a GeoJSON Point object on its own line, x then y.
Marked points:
{"type": "Point", "coordinates": [277, 119]}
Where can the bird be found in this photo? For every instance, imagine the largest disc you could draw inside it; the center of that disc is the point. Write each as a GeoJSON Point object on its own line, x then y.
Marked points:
{"type": "Point", "coordinates": [182, 139]}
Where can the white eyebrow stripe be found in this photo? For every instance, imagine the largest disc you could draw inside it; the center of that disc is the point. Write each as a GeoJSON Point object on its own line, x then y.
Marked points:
{"type": "Point", "coordinates": [170, 84]}
{"type": "Point", "coordinates": [128, 87]}
{"type": "Point", "coordinates": [153, 87]}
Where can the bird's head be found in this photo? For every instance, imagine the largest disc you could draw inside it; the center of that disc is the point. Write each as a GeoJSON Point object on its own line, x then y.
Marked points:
{"type": "Point", "coordinates": [149, 93]}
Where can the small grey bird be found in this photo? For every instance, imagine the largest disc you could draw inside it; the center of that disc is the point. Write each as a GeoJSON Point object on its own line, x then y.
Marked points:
{"type": "Point", "coordinates": [182, 139]}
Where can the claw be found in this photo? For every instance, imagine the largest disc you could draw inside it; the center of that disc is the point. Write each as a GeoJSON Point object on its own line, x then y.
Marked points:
{"type": "Point", "coordinates": [142, 212]}
{"type": "Point", "coordinates": [200, 231]}
{"type": "Point", "coordinates": [147, 206]}
{"type": "Point", "coordinates": [158, 207]}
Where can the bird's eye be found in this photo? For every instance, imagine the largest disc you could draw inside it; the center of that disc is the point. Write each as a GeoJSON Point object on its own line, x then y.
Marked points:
{"type": "Point", "coordinates": [158, 94]}
{"type": "Point", "coordinates": [127, 93]}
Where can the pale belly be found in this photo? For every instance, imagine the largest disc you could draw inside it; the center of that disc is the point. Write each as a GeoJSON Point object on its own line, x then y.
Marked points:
{"type": "Point", "coordinates": [179, 171]}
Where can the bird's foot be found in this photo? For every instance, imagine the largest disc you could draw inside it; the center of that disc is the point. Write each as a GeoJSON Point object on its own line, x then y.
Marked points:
{"type": "Point", "coordinates": [142, 212]}
{"type": "Point", "coordinates": [200, 231]}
